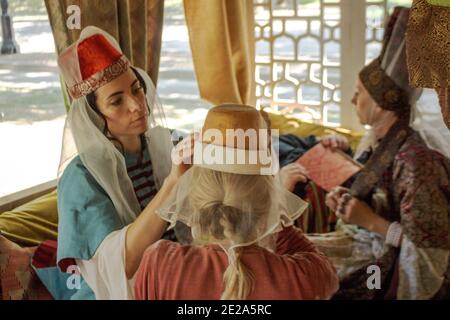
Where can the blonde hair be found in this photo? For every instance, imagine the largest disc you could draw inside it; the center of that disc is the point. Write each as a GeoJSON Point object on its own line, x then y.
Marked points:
{"type": "Point", "coordinates": [229, 207]}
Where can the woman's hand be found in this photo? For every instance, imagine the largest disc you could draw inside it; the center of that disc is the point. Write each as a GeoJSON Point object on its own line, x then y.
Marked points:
{"type": "Point", "coordinates": [335, 141]}
{"type": "Point", "coordinates": [149, 226]}
{"type": "Point", "coordinates": [332, 198]}
{"type": "Point", "coordinates": [291, 174]}
{"type": "Point", "coordinates": [354, 211]}
{"type": "Point", "coordinates": [182, 156]}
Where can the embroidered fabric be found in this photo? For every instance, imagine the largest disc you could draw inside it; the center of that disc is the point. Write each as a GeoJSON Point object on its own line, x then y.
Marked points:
{"type": "Point", "coordinates": [428, 50]}
{"type": "Point", "coordinates": [421, 271]}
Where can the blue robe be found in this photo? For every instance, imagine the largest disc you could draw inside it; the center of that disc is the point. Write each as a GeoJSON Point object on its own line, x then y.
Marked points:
{"type": "Point", "coordinates": [86, 216]}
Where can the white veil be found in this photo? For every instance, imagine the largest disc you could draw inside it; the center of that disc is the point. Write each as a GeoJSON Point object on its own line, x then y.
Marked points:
{"type": "Point", "coordinates": [232, 203]}
{"type": "Point", "coordinates": [431, 125]}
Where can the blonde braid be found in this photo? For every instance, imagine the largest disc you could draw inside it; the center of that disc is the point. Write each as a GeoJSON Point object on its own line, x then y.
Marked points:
{"type": "Point", "coordinates": [238, 280]}
{"type": "Point", "coordinates": [229, 207]}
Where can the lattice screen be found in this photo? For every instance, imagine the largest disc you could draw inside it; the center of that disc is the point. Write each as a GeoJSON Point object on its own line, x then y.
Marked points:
{"type": "Point", "coordinates": [298, 53]}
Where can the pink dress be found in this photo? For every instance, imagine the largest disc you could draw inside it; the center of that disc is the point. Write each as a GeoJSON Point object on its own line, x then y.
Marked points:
{"type": "Point", "coordinates": [170, 271]}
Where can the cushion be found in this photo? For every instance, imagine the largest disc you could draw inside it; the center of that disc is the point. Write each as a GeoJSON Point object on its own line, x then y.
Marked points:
{"type": "Point", "coordinates": [18, 281]}
{"type": "Point", "coordinates": [303, 129]}
{"type": "Point", "coordinates": [33, 222]}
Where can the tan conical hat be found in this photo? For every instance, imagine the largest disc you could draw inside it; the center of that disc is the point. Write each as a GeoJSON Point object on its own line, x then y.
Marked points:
{"type": "Point", "coordinates": [235, 138]}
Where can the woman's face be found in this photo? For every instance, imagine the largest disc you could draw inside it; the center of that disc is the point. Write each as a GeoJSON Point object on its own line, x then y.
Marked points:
{"type": "Point", "coordinates": [365, 105]}
{"type": "Point", "coordinates": [123, 104]}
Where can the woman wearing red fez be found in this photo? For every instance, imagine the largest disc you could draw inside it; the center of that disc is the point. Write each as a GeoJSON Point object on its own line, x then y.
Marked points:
{"type": "Point", "coordinates": [115, 170]}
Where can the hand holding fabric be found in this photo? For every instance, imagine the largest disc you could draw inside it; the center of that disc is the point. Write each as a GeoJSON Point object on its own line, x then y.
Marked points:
{"type": "Point", "coordinates": [333, 197]}
{"type": "Point", "coordinates": [335, 141]}
{"type": "Point", "coordinates": [292, 174]}
{"type": "Point", "coordinates": [354, 211]}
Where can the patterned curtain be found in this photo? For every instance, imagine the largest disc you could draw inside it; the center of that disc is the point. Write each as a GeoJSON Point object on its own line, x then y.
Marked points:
{"type": "Point", "coordinates": [221, 34]}
{"type": "Point", "coordinates": [136, 24]}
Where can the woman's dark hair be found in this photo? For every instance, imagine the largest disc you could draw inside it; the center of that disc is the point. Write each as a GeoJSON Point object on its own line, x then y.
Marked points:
{"type": "Point", "coordinates": [91, 98]}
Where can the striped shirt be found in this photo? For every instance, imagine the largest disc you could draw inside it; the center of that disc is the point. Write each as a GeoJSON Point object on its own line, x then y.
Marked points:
{"type": "Point", "coordinates": [140, 171]}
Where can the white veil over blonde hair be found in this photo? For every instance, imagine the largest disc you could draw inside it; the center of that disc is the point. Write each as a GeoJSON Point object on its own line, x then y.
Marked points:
{"type": "Point", "coordinates": [234, 204]}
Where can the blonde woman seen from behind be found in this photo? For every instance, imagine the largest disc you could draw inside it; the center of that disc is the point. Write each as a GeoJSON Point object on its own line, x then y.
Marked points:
{"type": "Point", "coordinates": [244, 243]}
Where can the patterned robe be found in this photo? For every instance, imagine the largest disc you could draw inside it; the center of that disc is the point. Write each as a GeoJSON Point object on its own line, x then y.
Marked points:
{"type": "Point", "coordinates": [413, 190]}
